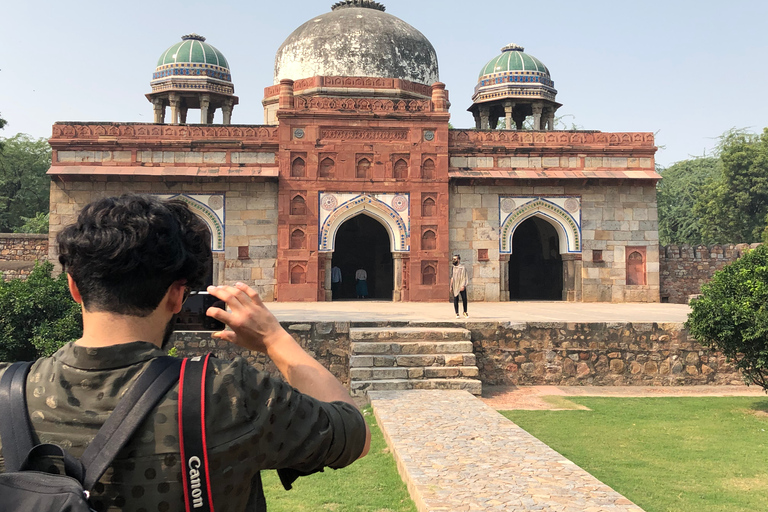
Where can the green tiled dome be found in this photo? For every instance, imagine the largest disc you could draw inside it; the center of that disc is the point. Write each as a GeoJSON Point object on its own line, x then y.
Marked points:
{"type": "Point", "coordinates": [192, 57]}
{"type": "Point", "coordinates": [192, 49]}
{"type": "Point", "coordinates": [512, 59]}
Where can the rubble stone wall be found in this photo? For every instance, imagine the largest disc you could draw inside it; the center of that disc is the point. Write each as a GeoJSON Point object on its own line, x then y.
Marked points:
{"type": "Point", "coordinates": [684, 268]}
{"type": "Point", "coordinates": [19, 252]}
{"type": "Point", "coordinates": [643, 354]}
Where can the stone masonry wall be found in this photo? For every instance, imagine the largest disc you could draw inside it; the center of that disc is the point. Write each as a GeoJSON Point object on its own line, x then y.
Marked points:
{"type": "Point", "coordinates": [250, 211]}
{"type": "Point", "coordinates": [328, 342]}
{"type": "Point", "coordinates": [19, 252]}
{"type": "Point", "coordinates": [646, 354]}
{"type": "Point", "coordinates": [684, 268]}
{"type": "Point", "coordinates": [614, 216]}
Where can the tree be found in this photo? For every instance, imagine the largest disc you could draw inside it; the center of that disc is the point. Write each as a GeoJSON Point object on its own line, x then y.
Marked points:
{"type": "Point", "coordinates": [24, 185]}
{"type": "Point", "coordinates": [734, 207]}
{"type": "Point", "coordinates": [678, 191]}
{"type": "Point", "coordinates": [37, 224]}
{"type": "Point", "coordinates": [37, 315]}
{"type": "Point", "coordinates": [732, 315]}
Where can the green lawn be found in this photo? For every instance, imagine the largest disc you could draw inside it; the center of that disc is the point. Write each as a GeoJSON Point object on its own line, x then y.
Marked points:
{"type": "Point", "coordinates": [666, 454]}
{"type": "Point", "coordinates": [371, 484]}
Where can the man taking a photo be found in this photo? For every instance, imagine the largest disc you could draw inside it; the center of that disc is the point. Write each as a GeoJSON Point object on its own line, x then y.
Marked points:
{"type": "Point", "coordinates": [131, 262]}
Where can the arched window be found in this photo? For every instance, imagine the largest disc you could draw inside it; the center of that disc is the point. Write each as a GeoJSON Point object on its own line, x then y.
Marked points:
{"type": "Point", "coordinates": [428, 208]}
{"type": "Point", "coordinates": [326, 168]}
{"type": "Point", "coordinates": [428, 241]}
{"type": "Point", "coordinates": [400, 170]}
{"type": "Point", "coordinates": [363, 166]}
{"type": "Point", "coordinates": [298, 206]}
{"type": "Point", "coordinates": [298, 239]}
{"type": "Point", "coordinates": [635, 268]}
{"type": "Point", "coordinates": [298, 168]}
{"type": "Point", "coordinates": [428, 169]}
{"type": "Point", "coordinates": [298, 275]}
{"type": "Point", "coordinates": [428, 275]}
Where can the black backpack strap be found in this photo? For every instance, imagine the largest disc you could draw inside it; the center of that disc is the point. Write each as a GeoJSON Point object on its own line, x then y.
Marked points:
{"type": "Point", "coordinates": [194, 449]}
{"type": "Point", "coordinates": [151, 386]}
{"type": "Point", "coordinates": [15, 428]}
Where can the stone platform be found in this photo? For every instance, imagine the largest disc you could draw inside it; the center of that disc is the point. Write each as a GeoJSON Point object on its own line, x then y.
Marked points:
{"type": "Point", "coordinates": [457, 454]}
{"type": "Point", "coordinates": [528, 311]}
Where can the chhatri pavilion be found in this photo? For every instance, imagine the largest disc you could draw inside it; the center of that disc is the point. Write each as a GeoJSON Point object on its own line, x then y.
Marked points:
{"type": "Point", "coordinates": [356, 166]}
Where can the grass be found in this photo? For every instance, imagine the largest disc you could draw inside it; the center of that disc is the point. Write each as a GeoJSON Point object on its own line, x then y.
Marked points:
{"type": "Point", "coordinates": [371, 484]}
{"type": "Point", "coordinates": [666, 454]}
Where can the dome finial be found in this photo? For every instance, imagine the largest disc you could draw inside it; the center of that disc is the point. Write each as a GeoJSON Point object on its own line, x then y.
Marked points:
{"type": "Point", "coordinates": [365, 4]}
{"type": "Point", "coordinates": [193, 36]}
{"type": "Point", "coordinates": [512, 47]}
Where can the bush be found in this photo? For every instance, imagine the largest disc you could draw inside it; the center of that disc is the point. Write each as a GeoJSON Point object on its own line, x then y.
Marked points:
{"type": "Point", "coordinates": [37, 315]}
{"type": "Point", "coordinates": [732, 315]}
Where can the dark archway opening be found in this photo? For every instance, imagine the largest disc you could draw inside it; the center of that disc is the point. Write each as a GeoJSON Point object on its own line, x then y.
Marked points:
{"type": "Point", "coordinates": [535, 265]}
{"type": "Point", "coordinates": [362, 242]}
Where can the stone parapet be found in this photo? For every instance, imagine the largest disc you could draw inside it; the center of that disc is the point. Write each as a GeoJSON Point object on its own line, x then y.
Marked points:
{"type": "Point", "coordinates": [611, 354]}
{"type": "Point", "coordinates": [684, 268]}
{"type": "Point", "coordinates": [552, 353]}
{"type": "Point", "coordinates": [19, 252]}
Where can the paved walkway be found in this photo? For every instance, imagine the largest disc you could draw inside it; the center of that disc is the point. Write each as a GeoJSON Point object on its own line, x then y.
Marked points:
{"type": "Point", "coordinates": [457, 454]}
{"type": "Point", "coordinates": [532, 311]}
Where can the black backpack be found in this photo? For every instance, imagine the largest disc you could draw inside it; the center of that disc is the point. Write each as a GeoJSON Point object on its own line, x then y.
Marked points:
{"type": "Point", "coordinates": [28, 486]}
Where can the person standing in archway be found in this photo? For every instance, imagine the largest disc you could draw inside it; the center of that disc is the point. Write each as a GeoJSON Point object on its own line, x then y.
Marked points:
{"type": "Point", "coordinates": [361, 283]}
{"type": "Point", "coordinates": [335, 282]}
{"type": "Point", "coordinates": [459, 281]}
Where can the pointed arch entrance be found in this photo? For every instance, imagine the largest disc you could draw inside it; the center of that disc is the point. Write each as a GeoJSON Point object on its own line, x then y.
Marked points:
{"type": "Point", "coordinates": [535, 265]}
{"type": "Point", "coordinates": [363, 242]}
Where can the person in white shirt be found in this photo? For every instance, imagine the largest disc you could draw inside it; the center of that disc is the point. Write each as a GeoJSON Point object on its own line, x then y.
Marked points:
{"type": "Point", "coordinates": [335, 281]}
{"type": "Point", "coordinates": [361, 286]}
{"type": "Point", "coordinates": [459, 281]}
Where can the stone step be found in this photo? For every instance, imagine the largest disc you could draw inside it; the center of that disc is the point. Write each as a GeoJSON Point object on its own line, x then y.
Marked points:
{"type": "Point", "coordinates": [410, 347]}
{"type": "Point", "coordinates": [430, 372]}
{"type": "Point", "coordinates": [360, 387]}
{"type": "Point", "coordinates": [409, 334]}
{"type": "Point", "coordinates": [410, 361]}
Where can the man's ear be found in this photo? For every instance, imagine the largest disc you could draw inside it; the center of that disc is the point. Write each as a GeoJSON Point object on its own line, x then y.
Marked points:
{"type": "Point", "coordinates": [73, 290]}
{"type": "Point", "coordinates": [176, 296]}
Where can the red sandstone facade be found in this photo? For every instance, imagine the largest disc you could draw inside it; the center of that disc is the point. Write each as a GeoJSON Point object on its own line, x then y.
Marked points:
{"type": "Point", "coordinates": [368, 137]}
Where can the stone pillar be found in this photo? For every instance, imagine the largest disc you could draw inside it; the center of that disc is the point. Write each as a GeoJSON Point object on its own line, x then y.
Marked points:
{"type": "Point", "coordinates": [159, 106]}
{"type": "Point", "coordinates": [537, 110]}
{"type": "Point", "coordinates": [205, 103]}
{"type": "Point", "coordinates": [226, 110]}
{"type": "Point", "coordinates": [509, 106]}
{"type": "Point", "coordinates": [439, 97]}
{"type": "Point", "coordinates": [327, 288]}
{"type": "Point", "coordinates": [478, 122]}
{"type": "Point", "coordinates": [397, 264]}
{"type": "Point", "coordinates": [175, 102]}
{"type": "Point", "coordinates": [183, 114]}
{"type": "Point", "coordinates": [549, 118]}
{"type": "Point", "coordinates": [285, 100]}
{"type": "Point", "coordinates": [504, 277]}
{"type": "Point", "coordinates": [485, 121]}
{"type": "Point", "coordinates": [211, 113]}
{"type": "Point", "coordinates": [572, 277]}
{"type": "Point", "coordinates": [219, 263]}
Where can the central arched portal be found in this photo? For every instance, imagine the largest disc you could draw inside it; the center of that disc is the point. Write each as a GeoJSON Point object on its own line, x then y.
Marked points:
{"type": "Point", "coordinates": [535, 265]}
{"type": "Point", "coordinates": [362, 242]}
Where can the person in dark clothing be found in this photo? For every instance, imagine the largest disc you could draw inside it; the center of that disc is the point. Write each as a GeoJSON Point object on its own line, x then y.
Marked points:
{"type": "Point", "coordinates": [131, 262]}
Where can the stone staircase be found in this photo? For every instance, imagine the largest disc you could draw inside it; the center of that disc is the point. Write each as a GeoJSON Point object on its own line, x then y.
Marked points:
{"type": "Point", "coordinates": [403, 358]}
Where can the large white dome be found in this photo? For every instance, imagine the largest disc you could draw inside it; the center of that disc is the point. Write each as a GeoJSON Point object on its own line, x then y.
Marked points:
{"type": "Point", "coordinates": [357, 38]}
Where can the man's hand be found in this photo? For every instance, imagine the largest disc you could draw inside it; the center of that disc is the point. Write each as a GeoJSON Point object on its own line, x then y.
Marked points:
{"type": "Point", "coordinates": [253, 326]}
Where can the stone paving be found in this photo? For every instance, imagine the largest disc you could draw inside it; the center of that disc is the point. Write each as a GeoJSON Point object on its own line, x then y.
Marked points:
{"type": "Point", "coordinates": [457, 454]}
{"type": "Point", "coordinates": [529, 311]}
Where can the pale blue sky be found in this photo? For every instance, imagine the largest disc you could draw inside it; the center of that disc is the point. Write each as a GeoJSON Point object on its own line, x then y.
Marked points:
{"type": "Point", "coordinates": [688, 70]}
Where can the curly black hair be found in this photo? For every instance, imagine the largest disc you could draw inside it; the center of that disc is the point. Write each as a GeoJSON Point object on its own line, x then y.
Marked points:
{"type": "Point", "coordinates": [125, 252]}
